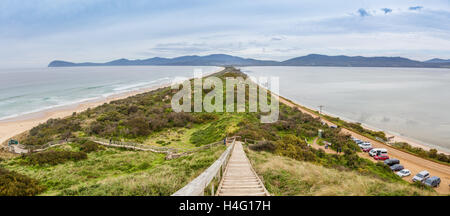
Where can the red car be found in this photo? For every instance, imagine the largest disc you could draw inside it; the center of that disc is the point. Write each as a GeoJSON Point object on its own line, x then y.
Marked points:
{"type": "Point", "coordinates": [381, 157]}
{"type": "Point", "coordinates": [367, 149]}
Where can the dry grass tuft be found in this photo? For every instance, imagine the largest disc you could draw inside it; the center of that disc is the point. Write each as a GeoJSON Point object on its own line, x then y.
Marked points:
{"type": "Point", "coordinates": [285, 176]}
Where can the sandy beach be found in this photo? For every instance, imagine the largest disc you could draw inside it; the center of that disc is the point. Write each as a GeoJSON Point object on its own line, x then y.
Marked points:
{"type": "Point", "coordinates": [14, 126]}
{"type": "Point", "coordinates": [17, 125]}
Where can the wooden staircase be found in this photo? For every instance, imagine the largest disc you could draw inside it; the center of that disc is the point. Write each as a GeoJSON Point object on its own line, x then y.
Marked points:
{"type": "Point", "coordinates": [239, 178]}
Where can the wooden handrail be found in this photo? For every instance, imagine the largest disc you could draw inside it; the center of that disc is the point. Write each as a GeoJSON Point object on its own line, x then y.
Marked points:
{"type": "Point", "coordinates": [105, 142]}
{"type": "Point", "coordinates": [197, 186]}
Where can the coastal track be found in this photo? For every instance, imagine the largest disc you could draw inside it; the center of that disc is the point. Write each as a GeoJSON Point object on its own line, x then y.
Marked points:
{"type": "Point", "coordinates": [239, 177]}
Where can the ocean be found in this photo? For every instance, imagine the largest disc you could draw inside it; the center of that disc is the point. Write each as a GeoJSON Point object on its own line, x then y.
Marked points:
{"type": "Point", "coordinates": [30, 90]}
{"type": "Point", "coordinates": [411, 102]}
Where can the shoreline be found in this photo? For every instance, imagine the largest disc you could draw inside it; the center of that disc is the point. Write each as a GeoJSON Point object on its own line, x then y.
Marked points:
{"type": "Point", "coordinates": [397, 137]}
{"type": "Point", "coordinates": [15, 126]}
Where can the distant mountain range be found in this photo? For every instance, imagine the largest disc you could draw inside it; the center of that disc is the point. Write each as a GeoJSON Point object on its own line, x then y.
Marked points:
{"type": "Point", "coordinates": [309, 60]}
{"type": "Point", "coordinates": [438, 60]}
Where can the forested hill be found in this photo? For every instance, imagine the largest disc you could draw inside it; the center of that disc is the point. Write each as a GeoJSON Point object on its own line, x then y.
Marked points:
{"type": "Point", "coordinates": [308, 60]}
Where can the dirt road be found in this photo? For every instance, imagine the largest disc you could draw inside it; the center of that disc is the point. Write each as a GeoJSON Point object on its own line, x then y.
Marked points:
{"type": "Point", "coordinates": [413, 163]}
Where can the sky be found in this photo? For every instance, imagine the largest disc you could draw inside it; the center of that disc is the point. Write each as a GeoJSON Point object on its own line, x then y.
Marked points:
{"type": "Point", "coordinates": [35, 32]}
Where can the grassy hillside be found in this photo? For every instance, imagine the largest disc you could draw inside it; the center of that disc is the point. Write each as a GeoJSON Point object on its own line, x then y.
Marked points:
{"type": "Point", "coordinates": [81, 169]}
{"type": "Point", "coordinates": [284, 176]}
{"type": "Point", "coordinates": [113, 171]}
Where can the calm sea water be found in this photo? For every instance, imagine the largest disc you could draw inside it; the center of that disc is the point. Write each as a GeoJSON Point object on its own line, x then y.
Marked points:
{"type": "Point", "coordinates": [413, 102]}
{"type": "Point", "coordinates": [25, 91]}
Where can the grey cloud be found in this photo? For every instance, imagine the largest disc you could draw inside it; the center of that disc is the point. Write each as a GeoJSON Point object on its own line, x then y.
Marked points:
{"type": "Point", "coordinates": [362, 12]}
{"type": "Point", "coordinates": [428, 20]}
{"type": "Point", "coordinates": [386, 10]}
{"type": "Point", "coordinates": [415, 8]}
{"type": "Point", "coordinates": [181, 48]}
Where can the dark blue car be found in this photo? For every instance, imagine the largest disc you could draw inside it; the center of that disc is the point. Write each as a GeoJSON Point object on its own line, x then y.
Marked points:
{"type": "Point", "coordinates": [433, 181]}
{"type": "Point", "coordinates": [396, 167]}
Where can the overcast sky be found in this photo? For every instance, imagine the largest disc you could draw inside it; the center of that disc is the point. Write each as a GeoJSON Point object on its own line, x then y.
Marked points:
{"type": "Point", "coordinates": [35, 32]}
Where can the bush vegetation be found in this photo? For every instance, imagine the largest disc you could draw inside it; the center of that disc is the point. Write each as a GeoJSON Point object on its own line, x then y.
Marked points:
{"type": "Point", "coordinates": [15, 184]}
{"type": "Point", "coordinates": [88, 146]}
{"type": "Point", "coordinates": [431, 154]}
{"type": "Point", "coordinates": [135, 117]}
{"type": "Point", "coordinates": [52, 157]}
{"type": "Point", "coordinates": [356, 126]}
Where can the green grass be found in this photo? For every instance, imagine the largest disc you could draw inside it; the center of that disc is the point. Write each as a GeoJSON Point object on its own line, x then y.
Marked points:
{"type": "Point", "coordinates": [119, 172]}
{"type": "Point", "coordinates": [197, 135]}
{"type": "Point", "coordinates": [283, 176]}
{"type": "Point", "coordinates": [216, 130]}
{"type": "Point", "coordinates": [172, 138]}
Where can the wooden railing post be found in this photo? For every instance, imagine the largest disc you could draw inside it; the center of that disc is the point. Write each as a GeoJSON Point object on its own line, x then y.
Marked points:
{"type": "Point", "coordinates": [198, 186]}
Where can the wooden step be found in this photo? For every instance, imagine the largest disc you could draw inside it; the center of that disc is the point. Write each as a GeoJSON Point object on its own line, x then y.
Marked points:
{"type": "Point", "coordinates": [242, 187]}
{"type": "Point", "coordinates": [239, 178]}
{"type": "Point", "coordinates": [242, 194]}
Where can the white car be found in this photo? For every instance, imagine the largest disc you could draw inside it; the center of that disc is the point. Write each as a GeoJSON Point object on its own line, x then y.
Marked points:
{"type": "Point", "coordinates": [377, 151]}
{"type": "Point", "coordinates": [421, 176]}
{"type": "Point", "coordinates": [365, 145]}
{"type": "Point", "coordinates": [403, 172]}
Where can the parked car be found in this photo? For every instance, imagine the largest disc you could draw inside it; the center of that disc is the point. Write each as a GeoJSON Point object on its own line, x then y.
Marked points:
{"type": "Point", "coordinates": [391, 161]}
{"type": "Point", "coordinates": [421, 176]}
{"type": "Point", "coordinates": [377, 151]}
{"type": "Point", "coordinates": [397, 167]}
{"type": "Point", "coordinates": [433, 181]}
{"type": "Point", "coordinates": [333, 126]}
{"type": "Point", "coordinates": [367, 149]}
{"type": "Point", "coordinates": [365, 144]}
{"type": "Point", "coordinates": [381, 157]}
{"type": "Point", "coordinates": [403, 172]}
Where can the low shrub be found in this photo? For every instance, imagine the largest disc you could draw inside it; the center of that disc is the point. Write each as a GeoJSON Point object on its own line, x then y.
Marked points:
{"type": "Point", "coordinates": [263, 146]}
{"type": "Point", "coordinates": [16, 184]}
{"type": "Point", "coordinates": [53, 157]}
{"type": "Point", "coordinates": [90, 146]}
